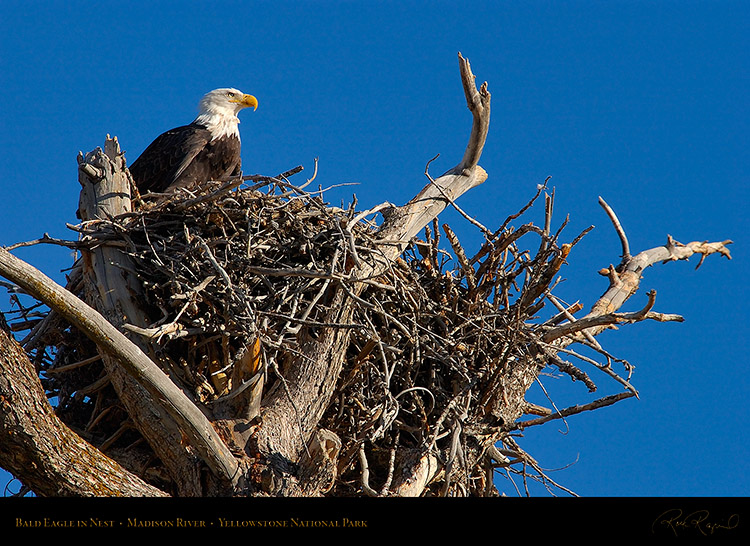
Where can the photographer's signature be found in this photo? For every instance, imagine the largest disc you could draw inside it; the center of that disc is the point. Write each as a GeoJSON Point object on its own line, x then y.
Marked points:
{"type": "Point", "coordinates": [700, 521]}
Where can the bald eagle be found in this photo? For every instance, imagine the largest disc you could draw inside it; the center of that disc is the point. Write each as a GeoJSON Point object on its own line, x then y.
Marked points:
{"type": "Point", "coordinates": [207, 149]}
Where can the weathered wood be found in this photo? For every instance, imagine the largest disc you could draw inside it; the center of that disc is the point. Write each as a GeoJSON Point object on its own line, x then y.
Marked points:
{"type": "Point", "coordinates": [624, 283]}
{"type": "Point", "coordinates": [52, 459]}
{"type": "Point", "coordinates": [164, 395]}
{"type": "Point", "coordinates": [106, 196]}
{"type": "Point", "coordinates": [163, 392]}
{"type": "Point", "coordinates": [115, 293]}
{"type": "Point", "coordinates": [626, 278]}
{"type": "Point", "coordinates": [417, 470]}
{"type": "Point", "coordinates": [403, 223]}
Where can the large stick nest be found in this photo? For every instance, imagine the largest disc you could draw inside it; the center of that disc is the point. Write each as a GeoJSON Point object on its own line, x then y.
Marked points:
{"type": "Point", "coordinates": [434, 339]}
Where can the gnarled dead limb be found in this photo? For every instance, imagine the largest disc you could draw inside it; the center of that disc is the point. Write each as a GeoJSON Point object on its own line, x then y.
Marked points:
{"type": "Point", "coordinates": [478, 101]}
{"type": "Point", "coordinates": [165, 394]}
{"type": "Point", "coordinates": [97, 204]}
{"type": "Point", "coordinates": [53, 460]}
{"type": "Point", "coordinates": [625, 279]}
{"type": "Point", "coordinates": [403, 223]}
{"type": "Point", "coordinates": [116, 295]}
{"type": "Point", "coordinates": [611, 318]}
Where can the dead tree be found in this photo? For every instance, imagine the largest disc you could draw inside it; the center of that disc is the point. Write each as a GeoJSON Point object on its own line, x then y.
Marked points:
{"type": "Point", "coordinates": [247, 338]}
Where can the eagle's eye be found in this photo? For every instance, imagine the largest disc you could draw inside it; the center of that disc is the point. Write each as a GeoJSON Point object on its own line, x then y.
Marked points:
{"type": "Point", "coordinates": [230, 95]}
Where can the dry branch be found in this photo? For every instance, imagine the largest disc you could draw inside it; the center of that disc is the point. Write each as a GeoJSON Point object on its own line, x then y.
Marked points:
{"type": "Point", "coordinates": [318, 367]}
{"type": "Point", "coordinates": [134, 361]}
{"type": "Point", "coordinates": [625, 278]}
{"type": "Point", "coordinates": [53, 460]}
{"type": "Point", "coordinates": [405, 222]}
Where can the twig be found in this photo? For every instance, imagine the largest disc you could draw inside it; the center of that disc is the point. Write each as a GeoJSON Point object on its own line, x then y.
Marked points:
{"type": "Point", "coordinates": [596, 404]}
{"type": "Point", "coordinates": [618, 228]}
{"type": "Point", "coordinates": [611, 318]}
{"type": "Point", "coordinates": [452, 202]}
{"type": "Point", "coordinates": [365, 477]}
{"type": "Point", "coordinates": [46, 239]}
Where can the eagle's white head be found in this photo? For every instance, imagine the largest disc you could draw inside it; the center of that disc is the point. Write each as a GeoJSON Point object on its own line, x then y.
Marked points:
{"type": "Point", "coordinates": [218, 111]}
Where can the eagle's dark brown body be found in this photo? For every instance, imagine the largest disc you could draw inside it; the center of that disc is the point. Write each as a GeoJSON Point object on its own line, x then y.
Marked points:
{"type": "Point", "coordinates": [207, 149]}
{"type": "Point", "coordinates": [185, 156]}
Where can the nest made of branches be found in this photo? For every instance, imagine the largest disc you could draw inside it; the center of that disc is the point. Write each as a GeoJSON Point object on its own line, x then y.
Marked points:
{"type": "Point", "coordinates": [432, 338]}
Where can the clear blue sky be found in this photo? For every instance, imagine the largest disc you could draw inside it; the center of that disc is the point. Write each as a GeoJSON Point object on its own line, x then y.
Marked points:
{"type": "Point", "coordinates": [643, 103]}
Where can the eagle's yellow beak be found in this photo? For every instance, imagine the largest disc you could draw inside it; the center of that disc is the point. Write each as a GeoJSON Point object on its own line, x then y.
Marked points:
{"type": "Point", "coordinates": [247, 101]}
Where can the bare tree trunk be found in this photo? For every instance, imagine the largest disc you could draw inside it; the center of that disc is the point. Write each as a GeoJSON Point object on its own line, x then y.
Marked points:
{"type": "Point", "coordinates": [52, 459]}
{"type": "Point", "coordinates": [159, 409]}
{"type": "Point", "coordinates": [161, 412]}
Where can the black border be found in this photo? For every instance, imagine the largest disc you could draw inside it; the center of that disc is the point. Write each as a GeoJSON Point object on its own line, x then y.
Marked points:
{"type": "Point", "coordinates": [577, 518]}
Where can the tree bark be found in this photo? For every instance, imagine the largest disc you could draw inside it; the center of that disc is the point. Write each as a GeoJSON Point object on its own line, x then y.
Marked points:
{"type": "Point", "coordinates": [34, 444]}
{"type": "Point", "coordinates": [160, 410]}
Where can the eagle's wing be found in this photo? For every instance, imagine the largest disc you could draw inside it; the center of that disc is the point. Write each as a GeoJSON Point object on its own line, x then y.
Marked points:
{"type": "Point", "coordinates": [167, 157]}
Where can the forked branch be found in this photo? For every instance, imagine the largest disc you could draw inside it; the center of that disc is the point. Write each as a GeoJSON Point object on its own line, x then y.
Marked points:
{"type": "Point", "coordinates": [403, 223]}
{"type": "Point", "coordinates": [315, 372]}
{"type": "Point", "coordinates": [625, 281]}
